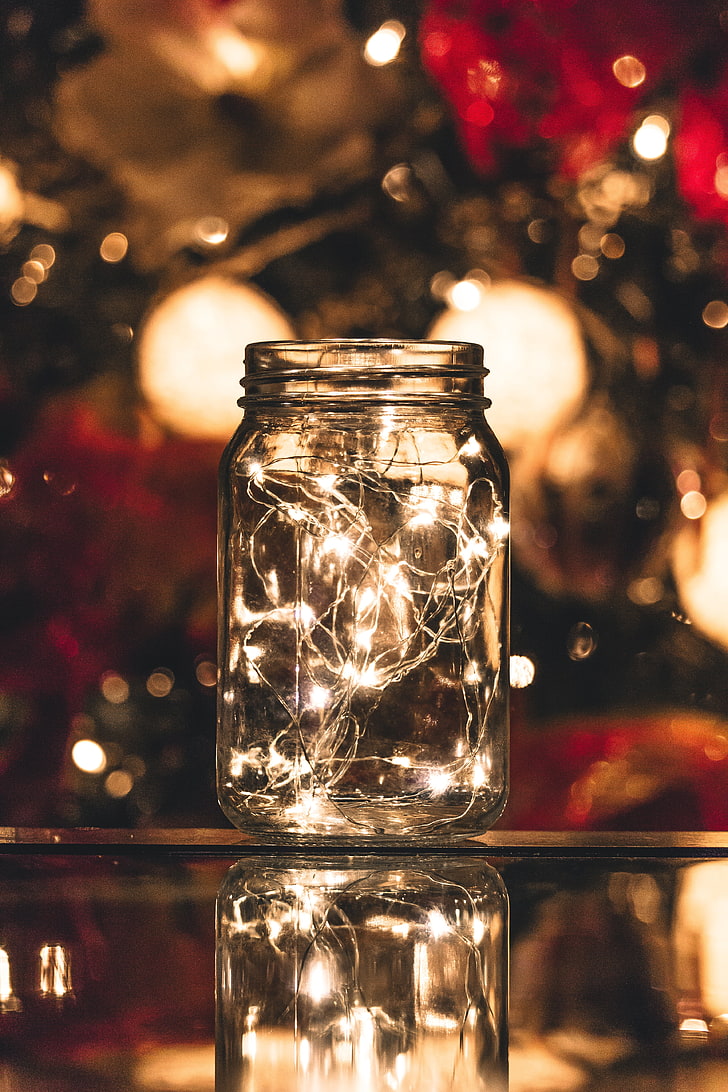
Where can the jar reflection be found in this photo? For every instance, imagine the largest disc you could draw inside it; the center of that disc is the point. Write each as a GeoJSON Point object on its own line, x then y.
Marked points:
{"type": "Point", "coordinates": [363, 973]}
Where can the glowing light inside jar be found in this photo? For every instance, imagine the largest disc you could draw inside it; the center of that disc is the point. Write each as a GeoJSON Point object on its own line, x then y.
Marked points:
{"type": "Point", "coordinates": [390, 581]}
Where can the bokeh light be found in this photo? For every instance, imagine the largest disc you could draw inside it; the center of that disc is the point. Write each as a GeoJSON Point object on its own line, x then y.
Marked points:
{"type": "Point", "coordinates": [212, 230]}
{"type": "Point", "coordinates": [206, 673]}
{"type": "Point", "coordinates": [191, 350]}
{"type": "Point", "coordinates": [650, 140]}
{"type": "Point", "coordinates": [533, 344]}
{"type": "Point", "coordinates": [585, 267]}
{"type": "Point", "coordinates": [522, 672]}
{"type": "Point", "coordinates": [89, 756]}
{"type": "Point", "coordinates": [581, 641]}
{"type": "Point", "coordinates": [119, 784]}
{"type": "Point", "coordinates": [383, 46]}
{"type": "Point", "coordinates": [612, 245]}
{"type": "Point", "coordinates": [7, 479]}
{"type": "Point", "coordinates": [629, 71]}
{"type": "Point", "coordinates": [700, 567]}
{"type": "Point", "coordinates": [114, 688]}
{"type": "Point", "coordinates": [23, 291]}
{"type": "Point", "coordinates": [12, 202]}
{"type": "Point", "coordinates": [160, 683]}
{"type": "Point", "coordinates": [693, 504]}
{"type": "Point", "coordinates": [715, 314]}
{"type": "Point", "coordinates": [114, 247]}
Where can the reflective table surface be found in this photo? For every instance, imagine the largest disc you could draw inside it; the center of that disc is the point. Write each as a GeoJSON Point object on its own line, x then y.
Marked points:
{"type": "Point", "coordinates": [618, 956]}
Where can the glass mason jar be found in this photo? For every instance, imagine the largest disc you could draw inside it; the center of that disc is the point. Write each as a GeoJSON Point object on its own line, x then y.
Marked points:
{"type": "Point", "coordinates": [363, 585]}
{"type": "Point", "coordinates": [364, 974]}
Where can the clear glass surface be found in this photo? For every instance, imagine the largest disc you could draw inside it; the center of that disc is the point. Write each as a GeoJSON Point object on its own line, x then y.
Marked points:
{"type": "Point", "coordinates": [364, 597]}
{"type": "Point", "coordinates": [618, 974]}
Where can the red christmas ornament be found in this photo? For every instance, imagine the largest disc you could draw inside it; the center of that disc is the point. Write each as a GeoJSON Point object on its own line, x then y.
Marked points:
{"type": "Point", "coordinates": [701, 151]}
{"type": "Point", "coordinates": [563, 72]}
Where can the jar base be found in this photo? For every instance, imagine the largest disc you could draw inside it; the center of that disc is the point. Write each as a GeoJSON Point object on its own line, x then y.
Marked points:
{"type": "Point", "coordinates": [351, 822]}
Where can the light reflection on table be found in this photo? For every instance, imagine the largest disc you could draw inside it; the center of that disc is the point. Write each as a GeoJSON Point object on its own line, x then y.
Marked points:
{"type": "Point", "coordinates": [619, 966]}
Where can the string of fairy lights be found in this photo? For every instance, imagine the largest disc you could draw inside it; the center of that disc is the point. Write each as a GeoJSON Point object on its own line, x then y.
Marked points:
{"type": "Point", "coordinates": [392, 584]}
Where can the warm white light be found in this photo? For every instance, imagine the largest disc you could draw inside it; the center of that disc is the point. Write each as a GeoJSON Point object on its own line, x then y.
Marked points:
{"type": "Point", "coordinates": [702, 940]}
{"type": "Point", "coordinates": [43, 253]}
{"type": "Point", "coordinates": [7, 479]}
{"type": "Point", "coordinates": [471, 674]}
{"type": "Point", "coordinates": [384, 45]}
{"type": "Point", "coordinates": [533, 343]}
{"type": "Point", "coordinates": [160, 683]}
{"type": "Point", "coordinates": [720, 180]}
{"type": "Point", "coordinates": [114, 247]}
{"type": "Point", "coordinates": [239, 56]}
{"type": "Point", "coordinates": [304, 615]}
{"type": "Point", "coordinates": [34, 271]}
{"type": "Point", "coordinates": [337, 544]}
{"type": "Point", "coordinates": [465, 295]}
{"type": "Point", "coordinates": [700, 565]}
{"type": "Point", "coordinates": [55, 971]}
{"type": "Point", "coordinates": [6, 986]}
{"type": "Point", "coordinates": [523, 672]}
{"type": "Point", "coordinates": [119, 784]}
{"type": "Point", "coordinates": [693, 504]}
{"type": "Point", "coordinates": [438, 924]}
{"type": "Point", "coordinates": [191, 349]}
{"type": "Point", "coordinates": [629, 71]}
{"type": "Point", "coordinates": [439, 781]}
{"type": "Point", "coordinates": [88, 755]}
{"type": "Point", "coordinates": [114, 688]}
{"type": "Point", "coordinates": [318, 697]}
{"type": "Point", "coordinates": [479, 776]}
{"type": "Point", "coordinates": [212, 230]}
{"type": "Point", "coordinates": [715, 314]}
{"type": "Point", "coordinates": [12, 202]}
{"type": "Point", "coordinates": [650, 140]}
{"type": "Point", "coordinates": [471, 446]}
{"type": "Point", "coordinates": [23, 291]}
{"type": "Point", "coordinates": [317, 982]}
{"type": "Point", "coordinates": [425, 514]}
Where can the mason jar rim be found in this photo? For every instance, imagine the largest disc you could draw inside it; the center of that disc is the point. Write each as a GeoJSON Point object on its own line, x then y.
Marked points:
{"type": "Point", "coordinates": [282, 372]}
{"type": "Point", "coordinates": [345, 354]}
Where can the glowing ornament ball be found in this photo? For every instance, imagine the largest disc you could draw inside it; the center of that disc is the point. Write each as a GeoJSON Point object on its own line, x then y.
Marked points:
{"type": "Point", "coordinates": [534, 351]}
{"type": "Point", "coordinates": [191, 348]}
{"type": "Point", "coordinates": [700, 567]}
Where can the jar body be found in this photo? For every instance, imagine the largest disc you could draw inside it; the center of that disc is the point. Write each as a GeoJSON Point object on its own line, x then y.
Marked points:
{"type": "Point", "coordinates": [361, 975]}
{"type": "Point", "coordinates": [363, 619]}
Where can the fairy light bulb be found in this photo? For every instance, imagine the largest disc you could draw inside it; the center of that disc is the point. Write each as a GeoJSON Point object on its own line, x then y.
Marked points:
{"type": "Point", "coordinates": [190, 353]}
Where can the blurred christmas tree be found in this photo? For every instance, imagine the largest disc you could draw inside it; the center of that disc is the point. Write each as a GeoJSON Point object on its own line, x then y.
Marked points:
{"type": "Point", "coordinates": [181, 177]}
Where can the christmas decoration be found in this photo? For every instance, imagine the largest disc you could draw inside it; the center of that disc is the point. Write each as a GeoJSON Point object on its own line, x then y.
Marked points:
{"type": "Point", "coordinates": [700, 564]}
{"type": "Point", "coordinates": [558, 73]}
{"type": "Point", "coordinates": [189, 353]}
{"type": "Point", "coordinates": [233, 111]}
{"type": "Point", "coordinates": [547, 179]}
{"type": "Point", "coordinates": [534, 345]}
